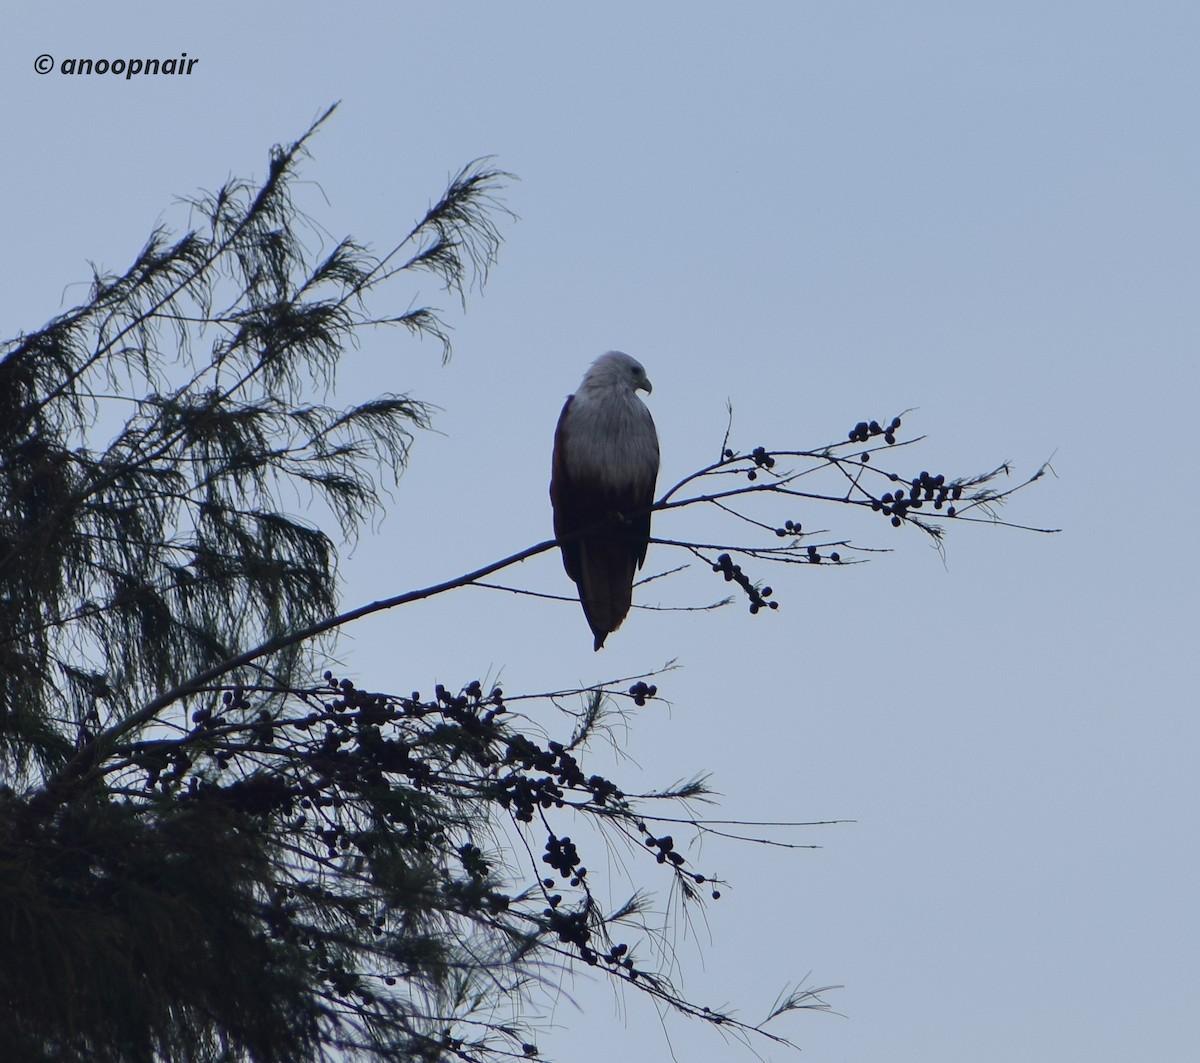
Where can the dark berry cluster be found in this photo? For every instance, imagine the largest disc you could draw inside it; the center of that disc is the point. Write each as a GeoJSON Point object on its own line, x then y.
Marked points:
{"type": "Point", "coordinates": [232, 702]}
{"type": "Point", "coordinates": [666, 849]}
{"type": "Point", "coordinates": [473, 861]}
{"type": "Point", "coordinates": [523, 795]}
{"type": "Point", "coordinates": [667, 854]}
{"type": "Point", "coordinates": [571, 926]}
{"type": "Point", "coordinates": [921, 489]}
{"type": "Point", "coordinates": [562, 855]}
{"type": "Point", "coordinates": [472, 698]}
{"type": "Point", "coordinates": [572, 929]}
{"type": "Point", "coordinates": [762, 460]}
{"type": "Point", "coordinates": [758, 597]}
{"type": "Point", "coordinates": [641, 691]}
{"type": "Point", "coordinates": [815, 557]}
{"type": "Point", "coordinates": [864, 430]}
{"type": "Point", "coordinates": [165, 768]}
{"type": "Point", "coordinates": [760, 457]}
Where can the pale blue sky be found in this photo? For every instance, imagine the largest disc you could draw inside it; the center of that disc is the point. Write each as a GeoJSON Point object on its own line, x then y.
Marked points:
{"type": "Point", "coordinates": [821, 212]}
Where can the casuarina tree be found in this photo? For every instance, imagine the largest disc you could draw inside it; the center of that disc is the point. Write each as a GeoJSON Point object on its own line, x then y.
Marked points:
{"type": "Point", "coordinates": [213, 848]}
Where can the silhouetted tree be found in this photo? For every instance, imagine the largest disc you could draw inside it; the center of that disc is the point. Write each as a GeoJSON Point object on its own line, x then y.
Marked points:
{"type": "Point", "coordinates": [205, 853]}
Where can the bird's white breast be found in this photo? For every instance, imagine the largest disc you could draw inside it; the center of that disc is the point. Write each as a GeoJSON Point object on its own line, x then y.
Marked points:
{"type": "Point", "coordinates": [612, 440]}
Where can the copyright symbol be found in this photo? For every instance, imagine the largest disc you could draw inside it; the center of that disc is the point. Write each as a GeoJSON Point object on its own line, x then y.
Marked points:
{"type": "Point", "coordinates": [44, 63]}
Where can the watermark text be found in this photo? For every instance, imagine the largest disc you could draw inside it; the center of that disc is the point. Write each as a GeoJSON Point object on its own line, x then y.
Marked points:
{"type": "Point", "coordinates": [127, 68]}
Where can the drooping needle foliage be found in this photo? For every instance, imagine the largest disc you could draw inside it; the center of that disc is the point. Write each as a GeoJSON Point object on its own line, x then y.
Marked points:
{"type": "Point", "coordinates": [155, 441]}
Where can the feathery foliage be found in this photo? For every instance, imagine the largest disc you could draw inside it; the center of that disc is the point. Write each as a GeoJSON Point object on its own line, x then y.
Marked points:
{"type": "Point", "coordinates": [150, 438]}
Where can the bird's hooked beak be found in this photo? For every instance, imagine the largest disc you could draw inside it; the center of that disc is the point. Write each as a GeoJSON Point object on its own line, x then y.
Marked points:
{"type": "Point", "coordinates": [645, 384]}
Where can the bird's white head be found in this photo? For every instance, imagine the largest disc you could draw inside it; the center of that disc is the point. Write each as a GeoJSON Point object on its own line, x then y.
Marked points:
{"type": "Point", "coordinates": [617, 369]}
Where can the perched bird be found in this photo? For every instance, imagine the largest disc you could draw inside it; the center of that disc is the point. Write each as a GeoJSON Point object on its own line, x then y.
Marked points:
{"type": "Point", "coordinates": [602, 487]}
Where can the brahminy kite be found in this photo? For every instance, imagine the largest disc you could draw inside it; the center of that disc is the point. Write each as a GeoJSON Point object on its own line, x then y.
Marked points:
{"type": "Point", "coordinates": [602, 487]}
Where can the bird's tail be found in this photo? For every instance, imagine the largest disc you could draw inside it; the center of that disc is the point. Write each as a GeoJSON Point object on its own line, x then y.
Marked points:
{"type": "Point", "coordinates": [605, 584]}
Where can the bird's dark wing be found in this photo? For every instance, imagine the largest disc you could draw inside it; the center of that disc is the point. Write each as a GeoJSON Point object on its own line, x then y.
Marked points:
{"type": "Point", "coordinates": [605, 524]}
{"type": "Point", "coordinates": [564, 497]}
